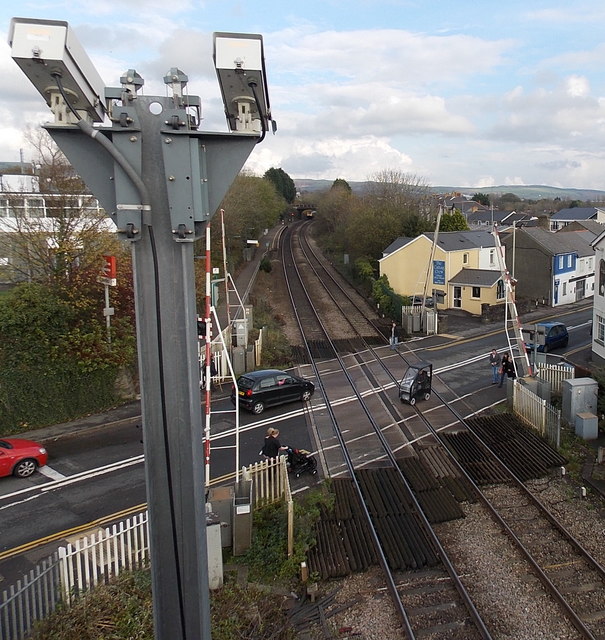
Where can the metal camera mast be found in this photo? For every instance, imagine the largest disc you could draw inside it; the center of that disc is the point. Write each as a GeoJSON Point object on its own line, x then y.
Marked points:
{"type": "Point", "coordinates": [512, 324]}
{"type": "Point", "coordinates": [161, 180]}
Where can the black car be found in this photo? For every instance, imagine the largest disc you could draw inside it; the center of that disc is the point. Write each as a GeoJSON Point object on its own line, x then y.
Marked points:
{"type": "Point", "coordinates": [269, 387]}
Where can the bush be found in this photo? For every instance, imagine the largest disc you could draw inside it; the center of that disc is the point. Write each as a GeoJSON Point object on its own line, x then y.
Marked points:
{"type": "Point", "coordinates": [265, 265]}
{"type": "Point", "coordinates": [389, 302]}
{"type": "Point", "coordinates": [55, 361]}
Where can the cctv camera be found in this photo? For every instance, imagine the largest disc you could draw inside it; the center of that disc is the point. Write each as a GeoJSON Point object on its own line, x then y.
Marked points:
{"type": "Point", "coordinates": [240, 66]}
{"type": "Point", "coordinates": [52, 58]}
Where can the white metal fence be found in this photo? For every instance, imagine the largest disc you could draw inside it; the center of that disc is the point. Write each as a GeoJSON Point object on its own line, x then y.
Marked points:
{"type": "Point", "coordinates": [270, 483]}
{"type": "Point", "coordinates": [104, 555]}
{"type": "Point", "coordinates": [555, 374]}
{"type": "Point", "coordinates": [537, 413]}
{"type": "Point", "coordinates": [100, 556]}
{"type": "Point", "coordinates": [71, 570]}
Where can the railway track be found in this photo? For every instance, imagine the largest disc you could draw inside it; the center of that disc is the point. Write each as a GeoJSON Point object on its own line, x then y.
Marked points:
{"type": "Point", "coordinates": [414, 476]}
{"type": "Point", "coordinates": [397, 527]}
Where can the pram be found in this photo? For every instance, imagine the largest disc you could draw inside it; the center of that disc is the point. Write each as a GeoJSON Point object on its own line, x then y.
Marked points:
{"type": "Point", "coordinates": [300, 461]}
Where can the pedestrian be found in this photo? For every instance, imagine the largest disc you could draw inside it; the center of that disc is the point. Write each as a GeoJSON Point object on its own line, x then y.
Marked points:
{"type": "Point", "coordinates": [507, 368]}
{"type": "Point", "coordinates": [394, 336]}
{"type": "Point", "coordinates": [495, 361]}
{"type": "Point", "coordinates": [271, 446]}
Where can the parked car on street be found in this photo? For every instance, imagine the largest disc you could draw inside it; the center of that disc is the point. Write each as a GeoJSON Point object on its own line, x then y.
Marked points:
{"type": "Point", "coordinates": [268, 387]}
{"type": "Point", "coordinates": [416, 301]}
{"type": "Point", "coordinates": [555, 336]}
{"type": "Point", "coordinates": [20, 457]}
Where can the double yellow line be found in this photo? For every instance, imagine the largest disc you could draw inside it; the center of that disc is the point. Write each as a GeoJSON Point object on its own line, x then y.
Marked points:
{"type": "Point", "coordinates": [87, 526]}
{"type": "Point", "coordinates": [60, 535]}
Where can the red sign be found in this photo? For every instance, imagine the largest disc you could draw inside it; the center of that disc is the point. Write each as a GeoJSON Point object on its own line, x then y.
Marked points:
{"type": "Point", "coordinates": [109, 266]}
{"type": "Point", "coordinates": [109, 271]}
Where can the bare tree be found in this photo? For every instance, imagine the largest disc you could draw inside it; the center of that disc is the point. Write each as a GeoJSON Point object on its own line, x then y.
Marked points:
{"type": "Point", "coordinates": [407, 193]}
{"type": "Point", "coordinates": [45, 235]}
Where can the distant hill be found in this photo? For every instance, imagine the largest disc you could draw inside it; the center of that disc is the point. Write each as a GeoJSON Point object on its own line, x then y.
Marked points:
{"type": "Point", "coordinates": [526, 192]}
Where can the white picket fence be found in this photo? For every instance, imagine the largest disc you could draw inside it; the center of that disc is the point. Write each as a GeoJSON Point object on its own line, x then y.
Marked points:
{"type": "Point", "coordinates": [555, 374]}
{"type": "Point", "coordinates": [537, 413]}
{"type": "Point", "coordinates": [270, 483]}
{"type": "Point", "coordinates": [78, 567]}
{"type": "Point", "coordinates": [72, 570]}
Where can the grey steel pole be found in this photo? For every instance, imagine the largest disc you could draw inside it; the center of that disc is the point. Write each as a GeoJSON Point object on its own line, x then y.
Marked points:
{"type": "Point", "coordinates": [170, 398]}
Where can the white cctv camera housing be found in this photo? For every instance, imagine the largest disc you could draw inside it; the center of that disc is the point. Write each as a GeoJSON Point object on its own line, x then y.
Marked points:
{"type": "Point", "coordinates": [45, 48]}
{"type": "Point", "coordinates": [240, 66]}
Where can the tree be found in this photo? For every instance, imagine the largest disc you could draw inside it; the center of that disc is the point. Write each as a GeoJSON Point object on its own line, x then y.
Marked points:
{"type": "Point", "coordinates": [340, 184]}
{"type": "Point", "coordinates": [283, 183]}
{"type": "Point", "coordinates": [251, 205]}
{"type": "Point", "coordinates": [394, 204]}
{"type": "Point", "coordinates": [333, 208]}
{"type": "Point", "coordinates": [53, 234]}
{"type": "Point", "coordinates": [454, 221]}
{"type": "Point", "coordinates": [54, 346]}
{"type": "Point", "coordinates": [405, 192]}
{"type": "Point", "coordinates": [53, 353]}
{"type": "Point", "coordinates": [481, 198]}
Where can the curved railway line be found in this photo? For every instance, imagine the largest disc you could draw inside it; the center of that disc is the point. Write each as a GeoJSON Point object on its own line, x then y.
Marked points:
{"type": "Point", "coordinates": [398, 471]}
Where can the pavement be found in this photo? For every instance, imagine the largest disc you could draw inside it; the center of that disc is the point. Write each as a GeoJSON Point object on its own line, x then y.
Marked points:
{"type": "Point", "coordinates": [458, 323]}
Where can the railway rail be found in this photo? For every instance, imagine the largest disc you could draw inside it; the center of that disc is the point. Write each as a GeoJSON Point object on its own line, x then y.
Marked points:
{"type": "Point", "coordinates": [403, 535]}
{"type": "Point", "coordinates": [425, 476]}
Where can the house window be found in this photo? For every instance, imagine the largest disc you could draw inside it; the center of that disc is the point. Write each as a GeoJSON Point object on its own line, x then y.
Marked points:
{"type": "Point", "coordinates": [476, 292]}
{"type": "Point", "coordinates": [602, 277]}
{"type": "Point", "coordinates": [465, 258]}
{"type": "Point", "coordinates": [492, 257]}
{"type": "Point", "coordinates": [600, 335]}
{"type": "Point", "coordinates": [561, 261]}
{"type": "Point", "coordinates": [500, 290]}
{"type": "Point", "coordinates": [35, 207]}
{"type": "Point", "coordinates": [569, 260]}
{"type": "Point", "coordinates": [564, 288]}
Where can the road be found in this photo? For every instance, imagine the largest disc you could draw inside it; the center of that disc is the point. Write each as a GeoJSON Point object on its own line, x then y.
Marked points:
{"type": "Point", "coordinates": [93, 478]}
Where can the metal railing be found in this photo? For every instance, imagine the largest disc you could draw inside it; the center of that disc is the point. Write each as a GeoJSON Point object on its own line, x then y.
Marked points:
{"type": "Point", "coordinates": [104, 555]}
{"type": "Point", "coordinates": [270, 483]}
{"type": "Point", "coordinates": [46, 205]}
{"type": "Point", "coordinates": [555, 374]}
{"type": "Point", "coordinates": [76, 568]}
{"type": "Point", "coordinates": [538, 413]}
{"type": "Point", "coordinates": [70, 571]}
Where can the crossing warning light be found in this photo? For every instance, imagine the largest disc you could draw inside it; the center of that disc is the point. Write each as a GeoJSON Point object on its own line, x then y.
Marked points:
{"type": "Point", "coordinates": [109, 271]}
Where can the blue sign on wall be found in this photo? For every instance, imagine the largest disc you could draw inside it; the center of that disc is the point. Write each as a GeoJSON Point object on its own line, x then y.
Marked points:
{"type": "Point", "coordinates": [438, 271]}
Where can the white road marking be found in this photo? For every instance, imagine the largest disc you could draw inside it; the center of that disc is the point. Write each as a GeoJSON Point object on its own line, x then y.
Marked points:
{"type": "Point", "coordinates": [51, 473]}
{"type": "Point", "coordinates": [66, 480]}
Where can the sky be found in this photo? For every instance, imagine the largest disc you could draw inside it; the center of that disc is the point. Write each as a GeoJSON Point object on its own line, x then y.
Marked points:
{"type": "Point", "coordinates": [466, 93]}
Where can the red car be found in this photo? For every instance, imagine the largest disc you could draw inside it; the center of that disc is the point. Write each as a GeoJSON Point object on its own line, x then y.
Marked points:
{"type": "Point", "coordinates": [21, 457]}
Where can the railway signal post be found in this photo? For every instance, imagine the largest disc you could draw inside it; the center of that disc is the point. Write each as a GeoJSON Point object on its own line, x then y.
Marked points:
{"type": "Point", "coordinates": [161, 180]}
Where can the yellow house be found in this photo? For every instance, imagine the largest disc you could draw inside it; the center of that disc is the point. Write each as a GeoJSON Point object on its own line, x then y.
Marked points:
{"type": "Point", "coordinates": [464, 267]}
